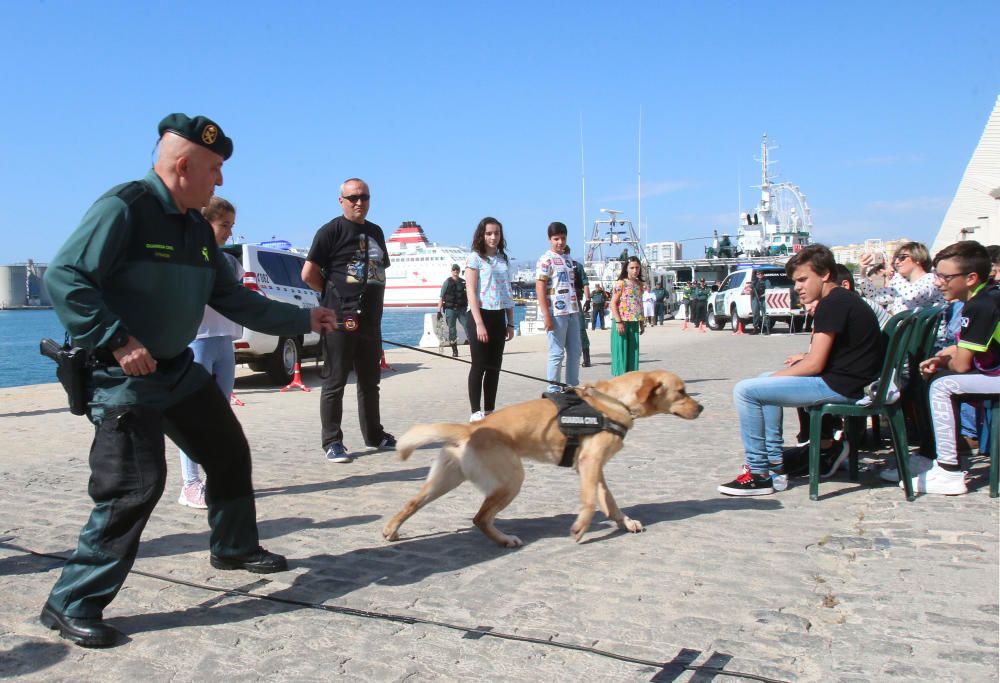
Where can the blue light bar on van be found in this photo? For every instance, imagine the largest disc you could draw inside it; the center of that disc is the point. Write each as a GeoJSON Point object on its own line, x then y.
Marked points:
{"type": "Point", "coordinates": [284, 245]}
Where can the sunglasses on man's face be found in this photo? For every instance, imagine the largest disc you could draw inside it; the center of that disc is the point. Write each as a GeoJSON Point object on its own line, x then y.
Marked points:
{"type": "Point", "coordinates": [355, 198]}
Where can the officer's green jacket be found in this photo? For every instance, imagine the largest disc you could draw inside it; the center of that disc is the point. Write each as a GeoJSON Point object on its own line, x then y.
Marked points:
{"type": "Point", "coordinates": [136, 262]}
{"type": "Point", "coordinates": [700, 293]}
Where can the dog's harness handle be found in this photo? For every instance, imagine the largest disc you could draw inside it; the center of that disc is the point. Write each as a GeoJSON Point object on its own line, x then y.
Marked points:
{"type": "Point", "coordinates": [577, 418]}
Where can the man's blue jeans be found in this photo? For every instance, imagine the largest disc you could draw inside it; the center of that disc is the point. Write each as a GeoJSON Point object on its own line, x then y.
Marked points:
{"type": "Point", "coordinates": [759, 402]}
{"type": "Point", "coordinates": [564, 340]}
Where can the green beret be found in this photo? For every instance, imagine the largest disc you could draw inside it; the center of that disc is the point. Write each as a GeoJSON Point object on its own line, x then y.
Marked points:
{"type": "Point", "coordinates": [199, 130]}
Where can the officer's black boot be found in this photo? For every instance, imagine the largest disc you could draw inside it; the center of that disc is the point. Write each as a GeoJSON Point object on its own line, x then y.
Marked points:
{"type": "Point", "coordinates": [586, 358]}
{"type": "Point", "coordinates": [454, 349]}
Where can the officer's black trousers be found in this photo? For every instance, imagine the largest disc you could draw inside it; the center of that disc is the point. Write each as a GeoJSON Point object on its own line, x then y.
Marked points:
{"type": "Point", "coordinates": [359, 351]}
{"type": "Point", "coordinates": [128, 473]}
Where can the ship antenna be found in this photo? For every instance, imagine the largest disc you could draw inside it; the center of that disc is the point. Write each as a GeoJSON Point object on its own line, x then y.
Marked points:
{"type": "Point", "coordinates": [638, 173]}
{"type": "Point", "coordinates": [583, 190]}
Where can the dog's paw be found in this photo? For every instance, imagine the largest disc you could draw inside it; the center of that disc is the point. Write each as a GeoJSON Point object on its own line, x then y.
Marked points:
{"type": "Point", "coordinates": [632, 525]}
{"type": "Point", "coordinates": [577, 531]}
{"type": "Point", "coordinates": [511, 542]}
{"type": "Point", "coordinates": [390, 535]}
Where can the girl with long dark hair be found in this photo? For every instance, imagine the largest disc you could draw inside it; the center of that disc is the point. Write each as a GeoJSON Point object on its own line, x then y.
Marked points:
{"type": "Point", "coordinates": [491, 305]}
{"type": "Point", "coordinates": [626, 309]}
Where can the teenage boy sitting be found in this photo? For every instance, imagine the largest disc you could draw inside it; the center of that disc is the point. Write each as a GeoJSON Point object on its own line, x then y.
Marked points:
{"type": "Point", "coordinates": [844, 357]}
{"type": "Point", "coordinates": [972, 366]}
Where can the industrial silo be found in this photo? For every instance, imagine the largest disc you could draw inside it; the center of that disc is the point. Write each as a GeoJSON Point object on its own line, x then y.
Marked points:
{"type": "Point", "coordinates": [13, 286]}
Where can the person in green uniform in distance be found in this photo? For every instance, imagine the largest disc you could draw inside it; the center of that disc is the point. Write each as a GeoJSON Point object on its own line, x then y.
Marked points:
{"type": "Point", "coordinates": [582, 286]}
{"type": "Point", "coordinates": [454, 303]}
{"type": "Point", "coordinates": [598, 305]}
{"type": "Point", "coordinates": [699, 302]}
{"type": "Point", "coordinates": [130, 286]}
{"type": "Point", "coordinates": [660, 292]}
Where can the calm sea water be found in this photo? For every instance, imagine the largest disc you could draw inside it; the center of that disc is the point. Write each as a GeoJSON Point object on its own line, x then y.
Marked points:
{"type": "Point", "coordinates": [20, 332]}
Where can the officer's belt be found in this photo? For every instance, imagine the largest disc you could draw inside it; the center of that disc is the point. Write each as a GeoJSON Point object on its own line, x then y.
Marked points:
{"type": "Point", "coordinates": [577, 418]}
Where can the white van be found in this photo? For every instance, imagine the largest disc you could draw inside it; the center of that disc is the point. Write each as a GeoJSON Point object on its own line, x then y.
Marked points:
{"type": "Point", "coordinates": [732, 302]}
{"type": "Point", "coordinates": [274, 270]}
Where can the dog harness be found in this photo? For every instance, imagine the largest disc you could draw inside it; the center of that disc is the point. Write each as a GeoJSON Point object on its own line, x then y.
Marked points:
{"type": "Point", "coordinates": [578, 418]}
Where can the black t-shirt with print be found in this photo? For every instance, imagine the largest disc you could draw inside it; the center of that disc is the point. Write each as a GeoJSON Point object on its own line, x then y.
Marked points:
{"type": "Point", "coordinates": [339, 249]}
{"type": "Point", "coordinates": [981, 329]}
{"type": "Point", "coordinates": [856, 357]}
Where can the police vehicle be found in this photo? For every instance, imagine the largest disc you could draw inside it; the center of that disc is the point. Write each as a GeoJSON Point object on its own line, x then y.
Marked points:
{"type": "Point", "coordinates": [732, 302]}
{"type": "Point", "coordinates": [274, 269]}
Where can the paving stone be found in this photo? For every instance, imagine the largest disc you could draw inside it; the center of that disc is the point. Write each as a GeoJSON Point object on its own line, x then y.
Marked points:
{"type": "Point", "coordinates": [860, 585]}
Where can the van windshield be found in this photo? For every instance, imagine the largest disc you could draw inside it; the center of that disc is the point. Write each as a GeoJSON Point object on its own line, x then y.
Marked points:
{"type": "Point", "coordinates": [777, 278]}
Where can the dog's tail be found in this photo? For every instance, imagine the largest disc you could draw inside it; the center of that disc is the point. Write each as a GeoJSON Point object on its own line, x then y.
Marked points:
{"type": "Point", "coordinates": [424, 435]}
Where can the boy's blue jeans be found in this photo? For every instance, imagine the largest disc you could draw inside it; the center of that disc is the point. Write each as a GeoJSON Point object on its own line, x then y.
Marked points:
{"type": "Point", "coordinates": [759, 402]}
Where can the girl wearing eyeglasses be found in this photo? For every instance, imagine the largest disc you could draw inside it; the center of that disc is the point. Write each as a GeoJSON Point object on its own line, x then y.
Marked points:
{"type": "Point", "coordinates": [909, 283]}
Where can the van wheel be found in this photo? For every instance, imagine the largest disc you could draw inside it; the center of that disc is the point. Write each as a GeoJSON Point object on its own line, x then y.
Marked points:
{"type": "Point", "coordinates": [714, 321]}
{"type": "Point", "coordinates": [734, 318]}
{"type": "Point", "coordinates": [281, 363]}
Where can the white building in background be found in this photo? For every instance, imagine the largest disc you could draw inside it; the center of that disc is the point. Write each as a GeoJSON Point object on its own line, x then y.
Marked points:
{"type": "Point", "coordinates": [974, 213]}
{"type": "Point", "coordinates": [663, 251]}
{"type": "Point", "coordinates": [851, 253]}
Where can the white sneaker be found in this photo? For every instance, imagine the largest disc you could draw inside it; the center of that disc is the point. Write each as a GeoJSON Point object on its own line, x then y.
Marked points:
{"type": "Point", "coordinates": [918, 465]}
{"type": "Point", "coordinates": [939, 480]}
{"type": "Point", "coordinates": [193, 496]}
{"type": "Point", "coordinates": [476, 416]}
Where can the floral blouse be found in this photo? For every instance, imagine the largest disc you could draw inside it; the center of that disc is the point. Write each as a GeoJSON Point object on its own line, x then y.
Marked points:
{"type": "Point", "coordinates": [902, 295]}
{"type": "Point", "coordinates": [629, 300]}
{"type": "Point", "coordinates": [494, 281]}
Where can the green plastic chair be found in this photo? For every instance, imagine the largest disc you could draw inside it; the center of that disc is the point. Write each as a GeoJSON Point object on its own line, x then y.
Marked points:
{"type": "Point", "coordinates": [897, 334]}
{"type": "Point", "coordinates": [921, 347]}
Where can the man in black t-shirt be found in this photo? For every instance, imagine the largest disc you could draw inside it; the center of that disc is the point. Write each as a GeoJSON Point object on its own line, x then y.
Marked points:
{"type": "Point", "coordinates": [845, 356]}
{"type": "Point", "coordinates": [346, 264]}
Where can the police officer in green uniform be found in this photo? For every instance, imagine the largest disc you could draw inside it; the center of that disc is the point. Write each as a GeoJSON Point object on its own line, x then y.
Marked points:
{"type": "Point", "coordinates": [699, 301]}
{"type": "Point", "coordinates": [453, 302]}
{"type": "Point", "coordinates": [130, 285]}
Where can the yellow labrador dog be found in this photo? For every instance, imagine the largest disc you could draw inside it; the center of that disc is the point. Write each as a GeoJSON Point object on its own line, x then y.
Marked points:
{"type": "Point", "coordinates": [488, 453]}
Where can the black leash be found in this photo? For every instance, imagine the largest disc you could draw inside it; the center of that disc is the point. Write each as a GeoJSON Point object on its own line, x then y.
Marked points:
{"type": "Point", "coordinates": [324, 373]}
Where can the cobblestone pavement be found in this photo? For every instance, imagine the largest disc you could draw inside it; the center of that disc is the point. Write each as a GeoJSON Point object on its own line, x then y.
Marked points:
{"type": "Point", "coordinates": [858, 586]}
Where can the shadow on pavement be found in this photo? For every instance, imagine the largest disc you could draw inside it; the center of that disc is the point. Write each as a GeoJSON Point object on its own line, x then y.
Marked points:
{"type": "Point", "coordinates": [28, 564]}
{"type": "Point", "coordinates": [180, 543]}
{"type": "Point", "coordinates": [409, 561]}
{"type": "Point", "coordinates": [33, 413]}
{"type": "Point", "coordinates": [30, 657]}
{"type": "Point", "coordinates": [415, 474]}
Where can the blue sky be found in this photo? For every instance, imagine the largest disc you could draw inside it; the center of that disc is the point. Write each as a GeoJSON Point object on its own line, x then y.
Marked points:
{"type": "Point", "coordinates": [454, 111]}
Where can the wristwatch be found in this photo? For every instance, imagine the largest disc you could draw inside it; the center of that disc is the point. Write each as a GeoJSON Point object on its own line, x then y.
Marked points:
{"type": "Point", "coordinates": [118, 339]}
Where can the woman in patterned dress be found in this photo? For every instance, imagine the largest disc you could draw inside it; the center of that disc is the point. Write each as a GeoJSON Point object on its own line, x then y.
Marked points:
{"type": "Point", "coordinates": [626, 310]}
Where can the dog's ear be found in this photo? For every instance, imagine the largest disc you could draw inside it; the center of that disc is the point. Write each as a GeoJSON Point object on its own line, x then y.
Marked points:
{"type": "Point", "coordinates": [646, 390]}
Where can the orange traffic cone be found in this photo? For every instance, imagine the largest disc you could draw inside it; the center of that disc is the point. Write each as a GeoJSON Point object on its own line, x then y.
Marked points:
{"type": "Point", "coordinates": [685, 325]}
{"type": "Point", "coordinates": [235, 401]}
{"type": "Point", "coordinates": [701, 328]}
{"type": "Point", "coordinates": [739, 328]}
{"type": "Point", "coordinates": [296, 382]}
{"type": "Point", "coordinates": [383, 365]}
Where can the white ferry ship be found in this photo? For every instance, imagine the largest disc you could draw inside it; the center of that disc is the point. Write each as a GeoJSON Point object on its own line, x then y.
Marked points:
{"type": "Point", "coordinates": [418, 267]}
